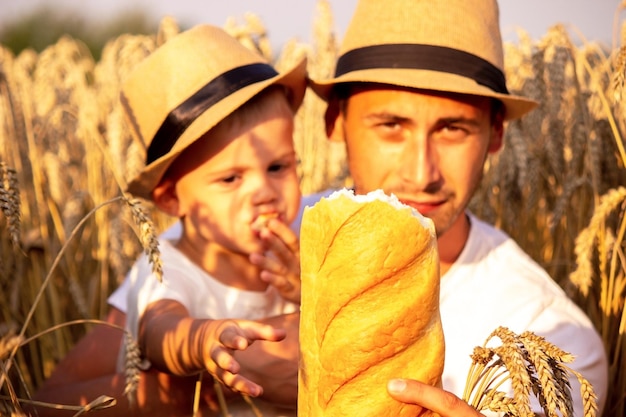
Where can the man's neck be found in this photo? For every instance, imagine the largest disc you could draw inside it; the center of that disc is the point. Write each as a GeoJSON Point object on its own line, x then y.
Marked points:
{"type": "Point", "coordinates": [452, 242]}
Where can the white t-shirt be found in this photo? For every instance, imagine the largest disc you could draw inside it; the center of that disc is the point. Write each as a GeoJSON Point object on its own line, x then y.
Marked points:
{"type": "Point", "coordinates": [118, 298]}
{"type": "Point", "coordinates": [204, 297]}
{"type": "Point", "coordinates": [494, 283]}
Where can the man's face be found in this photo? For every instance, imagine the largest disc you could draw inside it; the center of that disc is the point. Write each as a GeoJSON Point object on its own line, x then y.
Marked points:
{"type": "Point", "coordinates": [426, 148]}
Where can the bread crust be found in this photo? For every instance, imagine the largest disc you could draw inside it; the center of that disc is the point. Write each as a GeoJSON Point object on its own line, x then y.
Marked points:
{"type": "Point", "coordinates": [370, 307]}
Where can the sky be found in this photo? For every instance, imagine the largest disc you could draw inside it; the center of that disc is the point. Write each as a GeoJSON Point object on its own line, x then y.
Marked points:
{"type": "Point", "coordinates": [286, 19]}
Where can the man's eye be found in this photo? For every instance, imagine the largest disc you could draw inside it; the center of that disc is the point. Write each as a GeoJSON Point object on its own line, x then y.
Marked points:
{"type": "Point", "coordinates": [390, 125]}
{"type": "Point", "coordinates": [451, 133]}
{"type": "Point", "coordinates": [451, 128]}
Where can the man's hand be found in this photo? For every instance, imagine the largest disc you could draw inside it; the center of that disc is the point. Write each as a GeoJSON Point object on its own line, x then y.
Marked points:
{"type": "Point", "coordinates": [177, 343]}
{"type": "Point", "coordinates": [222, 339]}
{"type": "Point", "coordinates": [430, 398]}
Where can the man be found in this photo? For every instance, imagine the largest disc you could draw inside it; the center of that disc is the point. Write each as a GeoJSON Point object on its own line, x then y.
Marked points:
{"type": "Point", "coordinates": [420, 100]}
{"type": "Point", "coordinates": [419, 97]}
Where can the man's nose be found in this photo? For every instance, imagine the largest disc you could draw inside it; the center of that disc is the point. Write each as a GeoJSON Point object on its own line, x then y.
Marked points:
{"type": "Point", "coordinates": [419, 162]}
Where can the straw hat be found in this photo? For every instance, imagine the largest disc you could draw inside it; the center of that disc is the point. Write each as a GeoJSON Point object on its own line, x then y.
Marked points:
{"type": "Point", "coordinates": [443, 45]}
{"type": "Point", "coordinates": [187, 86]}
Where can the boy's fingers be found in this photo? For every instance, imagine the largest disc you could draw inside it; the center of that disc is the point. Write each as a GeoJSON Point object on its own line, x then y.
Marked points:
{"type": "Point", "coordinates": [286, 236]}
{"type": "Point", "coordinates": [281, 282]}
{"type": "Point", "coordinates": [271, 267]}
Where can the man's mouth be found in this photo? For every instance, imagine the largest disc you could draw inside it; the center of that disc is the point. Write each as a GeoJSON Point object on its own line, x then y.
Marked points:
{"type": "Point", "coordinates": [424, 207]}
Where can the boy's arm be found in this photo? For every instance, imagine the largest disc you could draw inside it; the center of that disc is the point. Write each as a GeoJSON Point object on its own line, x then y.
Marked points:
{"type": "Point", "coordinates": [174, 342]}
{"type": "Point", "coordinates": [79, 379]}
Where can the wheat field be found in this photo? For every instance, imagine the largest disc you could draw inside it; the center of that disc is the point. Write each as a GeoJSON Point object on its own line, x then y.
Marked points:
{"type": "Point", "coordinates": [68, 234]}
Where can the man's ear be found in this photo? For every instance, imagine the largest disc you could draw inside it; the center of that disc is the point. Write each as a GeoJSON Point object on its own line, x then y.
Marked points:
{"type": "Point", "coordinates": [497, 133]}
{"type": "Point", "coordinates": [165, 197]}
{"type": "Point", "coordinates": [334, 121]}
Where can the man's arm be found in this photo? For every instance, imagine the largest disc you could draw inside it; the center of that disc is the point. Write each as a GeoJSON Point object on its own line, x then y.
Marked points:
{"type": "Point", "coordinates": [274, 365]}
{"type": "Point", "coordinates": [177, 343]}
{"type": "Point", "coordinates": [89, 371]}
{"type": "Point", "coordinates": [93, 356]}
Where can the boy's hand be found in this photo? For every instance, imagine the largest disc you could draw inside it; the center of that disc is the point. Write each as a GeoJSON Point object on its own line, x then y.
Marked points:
{"type": "Point", "coordinates": [281, 265]}
{"type": "Point", "coordinates": [219, 341]}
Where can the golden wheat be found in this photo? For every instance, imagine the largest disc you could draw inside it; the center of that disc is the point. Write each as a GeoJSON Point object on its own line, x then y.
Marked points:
{"type": "Point", "coordinates": [556, 187]}
{"type": "Point", "coordinates": [582, 276]}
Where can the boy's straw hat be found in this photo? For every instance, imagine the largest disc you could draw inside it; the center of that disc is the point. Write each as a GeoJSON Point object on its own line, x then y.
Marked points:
{"type": "Point", "coordinates": [442, 45]}
{"type": "Point", "coordinates": [187, 86]}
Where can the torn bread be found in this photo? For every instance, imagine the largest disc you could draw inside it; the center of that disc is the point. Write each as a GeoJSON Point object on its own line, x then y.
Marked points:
{"type": "Point", "coordinates": [370, 305]}
{"type": "Point", "coordinates": [262, 220]}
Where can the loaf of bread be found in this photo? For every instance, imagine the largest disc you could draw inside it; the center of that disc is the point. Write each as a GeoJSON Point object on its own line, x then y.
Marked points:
{"type": "Point", "coordinates": [370, 305]}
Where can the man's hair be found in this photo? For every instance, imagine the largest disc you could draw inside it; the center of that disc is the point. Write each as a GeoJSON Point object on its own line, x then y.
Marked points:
{"type": "Point", "coordinates": [342, 92]}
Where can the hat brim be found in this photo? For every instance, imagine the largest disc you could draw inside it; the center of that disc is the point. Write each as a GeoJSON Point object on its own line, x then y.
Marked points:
{"type": "Point", "coordinates": [294, 79]}
{"type": "Point", "coordinates": [515, 106]}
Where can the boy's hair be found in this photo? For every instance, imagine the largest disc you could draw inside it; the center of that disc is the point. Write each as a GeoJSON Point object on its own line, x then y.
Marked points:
{"type": "Point", "coordinates": [273, 98]}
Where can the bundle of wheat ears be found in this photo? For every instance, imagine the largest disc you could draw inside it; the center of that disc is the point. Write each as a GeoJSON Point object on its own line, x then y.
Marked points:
{"type": "Point", "coordinates": [534, 368]}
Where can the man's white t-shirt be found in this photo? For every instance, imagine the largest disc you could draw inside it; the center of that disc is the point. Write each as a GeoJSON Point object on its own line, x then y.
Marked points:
{"type": "Point", "coordinates": [494, 283]}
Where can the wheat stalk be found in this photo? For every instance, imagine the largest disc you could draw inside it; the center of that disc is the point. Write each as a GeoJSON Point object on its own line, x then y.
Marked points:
{"type": "Point", "coordinates": [581, 277]}
{"type": "Point", "coordinates": [132, 361]}
{"type": "Point", "coordinates": [10, 202]}
{"type": "Point", "coordinates": [147, 236]}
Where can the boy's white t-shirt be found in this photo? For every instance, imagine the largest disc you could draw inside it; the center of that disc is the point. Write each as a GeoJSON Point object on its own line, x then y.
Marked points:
{"type": "Point", "coordinates": [118, 298]}
{"type": "Point", "coordinates": [204, 296]}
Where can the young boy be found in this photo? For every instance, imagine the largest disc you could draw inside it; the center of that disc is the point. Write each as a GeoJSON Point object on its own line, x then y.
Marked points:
{"type": "Point", "coordinates": [218, 121]}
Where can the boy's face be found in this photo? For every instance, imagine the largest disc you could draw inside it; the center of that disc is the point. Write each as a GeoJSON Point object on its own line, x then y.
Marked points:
{"type": "Point", "coordinates": [242, 170]}
{"type": "Point", "coordinates": [428, 149]}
